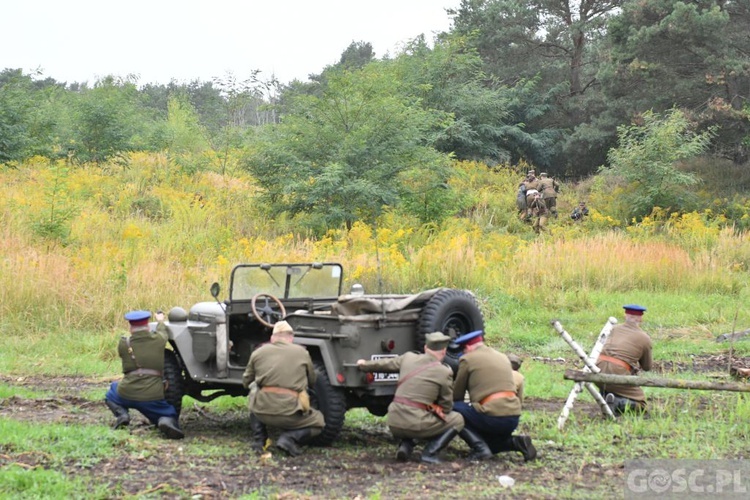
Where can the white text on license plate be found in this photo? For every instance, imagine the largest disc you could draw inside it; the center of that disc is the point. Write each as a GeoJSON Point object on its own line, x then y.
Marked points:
{"type": "Point", "coordinates": [384, 377]}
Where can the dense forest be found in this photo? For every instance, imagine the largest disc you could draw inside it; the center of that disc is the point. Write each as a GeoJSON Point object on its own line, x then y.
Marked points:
{"type": "Point", "coordinates": [631, 89]}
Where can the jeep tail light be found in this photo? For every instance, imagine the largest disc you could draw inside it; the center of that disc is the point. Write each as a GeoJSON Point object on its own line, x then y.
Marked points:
{"type": "Point", "coordinates": [370, 378]}
{"type": "Point", "coordinates": [340, 377]}
{"type": "Point", "coordinates": [388, 345]}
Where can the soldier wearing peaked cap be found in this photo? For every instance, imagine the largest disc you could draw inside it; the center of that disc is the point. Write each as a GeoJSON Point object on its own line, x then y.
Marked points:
{"type": "Point", "coordinates": [495, 408]}
{"type": "Point", "coordinates": [282, 371]}
{"type": "Point", "coordinates": [627, 349]}
{"type": "Point", "coordinates": [423, 405]}
{"type": "Point", "coordinates": [142, 386]}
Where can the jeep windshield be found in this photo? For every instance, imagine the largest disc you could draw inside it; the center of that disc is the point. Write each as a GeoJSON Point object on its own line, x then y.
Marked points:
{"type": "Point", "coordinates": [287, 281]}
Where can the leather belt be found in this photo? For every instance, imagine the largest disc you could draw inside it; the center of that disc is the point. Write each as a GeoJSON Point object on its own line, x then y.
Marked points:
{"type": "Point", "coordinates": [615, 361]}
{"type": "Point", "coordinates": [144, 371]}
{"type": "Point", "coordinates": [433, 408]}
{"type": "Point", "coordinates": [409, 402]}
{"type": "Point", "coordinates": [279, 390]}
{"type": "Point", "coordinates": [497, 395]}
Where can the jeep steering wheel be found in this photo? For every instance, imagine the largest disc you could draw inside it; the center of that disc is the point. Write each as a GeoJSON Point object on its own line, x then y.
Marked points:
{"type": "Point", "coordinates": [266, 314]}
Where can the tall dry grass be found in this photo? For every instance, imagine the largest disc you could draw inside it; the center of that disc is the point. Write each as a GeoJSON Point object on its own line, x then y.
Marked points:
{"type": "Point", "coordinates": [151, 237]}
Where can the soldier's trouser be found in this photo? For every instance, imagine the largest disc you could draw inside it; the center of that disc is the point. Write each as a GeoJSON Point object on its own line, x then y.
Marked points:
{"type": "Point", "coordinates": [494, 430]}
{"type": "Point", "coordinates": [312, 418]}
{"type": "Point", "coordinates": [551, 205]}
{"type": "Point", "coordinates": [429, 428]}
{"type": "Point", "coordinates": [622, 404]}
{"type": "Point", "coordinates": [152, 410]}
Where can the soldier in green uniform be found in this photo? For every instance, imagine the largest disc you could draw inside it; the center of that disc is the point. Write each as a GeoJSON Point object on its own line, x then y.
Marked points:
{"type": "Point", "coordinates": [282, 372]}
{"type": "Point", "coordinates": [549, 188]}
{"type": "Point", "coordinates": [539, 211]}
{"type": "Point", "coordinates": [627, 348]}
{"type": "Point", "coordinates": [423, 404]}
{"type": "Point", "coordinates": [495, 408]}
{"type": "Point", "coordinates": [142, 387]}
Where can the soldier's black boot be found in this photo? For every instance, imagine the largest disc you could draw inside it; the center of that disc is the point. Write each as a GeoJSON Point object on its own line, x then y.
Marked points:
{"type": "Point", "coordinates": [404, 450]}
{"type": "Point", "coordinates": [121, 414]}
{"type": "Point", "coordinates": [430, 452]}
{"type": "Point", "coordinates": [260, 434]}
{"type": "Point", "coordinates": [479, 448]}
{"type": "Point", "coordinates": [170, 428]}
{"type": "Point", "coordinates": [289, 441]}
{"type": "Point", "coordinates": [524, 445]}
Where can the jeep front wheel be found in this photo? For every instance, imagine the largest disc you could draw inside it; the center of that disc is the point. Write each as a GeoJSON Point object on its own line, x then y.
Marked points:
{"type": "Point", "coordinates": [174, 381]}
{"type": "Point", "coordinates": [331, 402]}
{"type": "Point", "coordinates": [449, 309]}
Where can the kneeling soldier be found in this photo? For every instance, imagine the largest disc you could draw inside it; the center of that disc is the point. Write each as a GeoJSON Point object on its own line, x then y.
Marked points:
{"type": "Point", "coordinates": [282, 372]}
{"type": "Point", "coordinates": [495, 407]}
{"type": "Point", "coordinates": [422, 407]}
{"type": "Point", "coordinates": [142, 387]}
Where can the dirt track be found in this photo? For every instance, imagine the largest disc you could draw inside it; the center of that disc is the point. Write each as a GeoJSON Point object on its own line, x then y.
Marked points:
{"type": "Point", "coordinates": [359, 465]}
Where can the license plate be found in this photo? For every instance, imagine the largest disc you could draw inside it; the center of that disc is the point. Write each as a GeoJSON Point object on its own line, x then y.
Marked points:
{"type": "Point", "coordinates": [381, 376]}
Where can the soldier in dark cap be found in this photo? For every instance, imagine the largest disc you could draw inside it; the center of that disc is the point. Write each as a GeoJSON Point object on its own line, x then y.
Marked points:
{"type": "Point", "coordinates": [627, 349]}
{"type": "Point", "coordinates": [142, 387]}
{"type": "Point", "coordinates": [495, 408]}
{"type": "Point", "coordinates": [282, 372]}
{"type": "Point", "coordinates": [423, 404]}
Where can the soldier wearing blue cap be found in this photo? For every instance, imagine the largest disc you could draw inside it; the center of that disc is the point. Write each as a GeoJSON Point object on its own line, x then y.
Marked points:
{"type": "Point", "coordinates": [627, 349]}
{"type": "Point", "coordinates": [422, 407]}
{"type": "Point", "coordinates": [142, 386]}
{"type": "Point", "coordinates": [495, 408]}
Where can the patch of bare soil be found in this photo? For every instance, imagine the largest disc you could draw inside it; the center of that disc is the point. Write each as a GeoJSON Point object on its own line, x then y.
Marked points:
{"type": "Point", "coordinates": [215, 460]}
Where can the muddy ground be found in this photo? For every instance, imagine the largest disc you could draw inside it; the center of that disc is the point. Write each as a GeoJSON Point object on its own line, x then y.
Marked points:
{"type": "Point", "coordinates": [360, 464]}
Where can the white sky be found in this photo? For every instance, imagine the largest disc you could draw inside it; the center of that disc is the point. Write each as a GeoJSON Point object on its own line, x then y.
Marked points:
{"type": "Point", "coordinates": [161, 40]}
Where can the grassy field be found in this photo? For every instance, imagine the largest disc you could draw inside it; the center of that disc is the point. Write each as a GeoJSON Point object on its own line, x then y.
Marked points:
{"type": "Point", "coordinates": [80, 246]}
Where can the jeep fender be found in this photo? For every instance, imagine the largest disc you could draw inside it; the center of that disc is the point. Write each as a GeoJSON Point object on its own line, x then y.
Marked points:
{"type": "Point", "coordinates": [321, 346]}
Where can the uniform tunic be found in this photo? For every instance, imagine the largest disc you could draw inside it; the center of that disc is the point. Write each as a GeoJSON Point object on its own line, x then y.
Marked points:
{"type": "Point", "coordinates": [548, 187]}
{"type": "Point", "coordinates": [482, 372]}
{"type": "Point", "coordinates": [144, 393]}
{"type": "Point", "coordinates": [430, 385]}
{"type": "Point", "coordinates": [485, 371]}
{"type": "Point", "coordinates": [628, 343]}
{"type": "Point", "coordinates": [289, 366]}
{"type": "Point", "coordinates": [148, 350]}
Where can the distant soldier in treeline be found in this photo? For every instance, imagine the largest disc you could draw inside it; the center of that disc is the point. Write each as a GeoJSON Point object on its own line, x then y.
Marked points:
{"type": "Point", "coordinates": [579, 212]}
{"type": "Point", "coordinates": [549, 188]}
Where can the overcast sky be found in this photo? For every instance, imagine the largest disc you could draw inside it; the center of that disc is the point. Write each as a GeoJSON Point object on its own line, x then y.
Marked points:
{"type": "Point", "coordinates": [161, 40]}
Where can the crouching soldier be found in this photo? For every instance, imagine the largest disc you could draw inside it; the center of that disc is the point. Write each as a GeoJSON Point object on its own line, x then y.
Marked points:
{"type": "Point", "coordinates": [282, 372]}
{"type": "Point", "coordinates": [626, 348]}
{"type": "Point", "coordinates": [142, 387]}
{"type": "Point", "coordinates": [495, 407]}
{"type": "Point", "coordinates": [422, 406]}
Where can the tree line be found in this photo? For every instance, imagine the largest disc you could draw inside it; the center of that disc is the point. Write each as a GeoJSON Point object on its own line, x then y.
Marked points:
{"type": "Point", "coordinates": [553, 83]}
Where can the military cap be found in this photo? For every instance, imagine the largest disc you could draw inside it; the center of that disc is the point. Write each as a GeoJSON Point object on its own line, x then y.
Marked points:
{"type": "Point", "coordinates": [138, 318]}
{"type": "Point", "coordinates": [282, 327]}
{"type": "Point", "coordinates": [543, 174]}
{"type": "Point", "coordinates": [470, 338]}
{"type": "Point", "coordinates": [437, 341]}
{"type": "Point", "coordinates": [634, 309]}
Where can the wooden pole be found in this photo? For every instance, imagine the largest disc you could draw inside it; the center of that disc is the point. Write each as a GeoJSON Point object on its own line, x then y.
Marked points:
{"type": "Point", "coordinates": [589, 363]}
{"type": "Point", "coordinates": [578, 387]}
{"type": "Point", "coordinates": [608, 378]}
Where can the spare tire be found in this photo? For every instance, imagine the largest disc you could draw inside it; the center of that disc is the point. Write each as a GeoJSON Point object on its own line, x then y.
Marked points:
{"type": "Point", "coordinates": [453, 312]}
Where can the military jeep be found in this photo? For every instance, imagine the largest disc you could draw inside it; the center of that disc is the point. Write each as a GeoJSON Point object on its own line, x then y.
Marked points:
{"type": "Point", "coordinates": [211, 344]}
